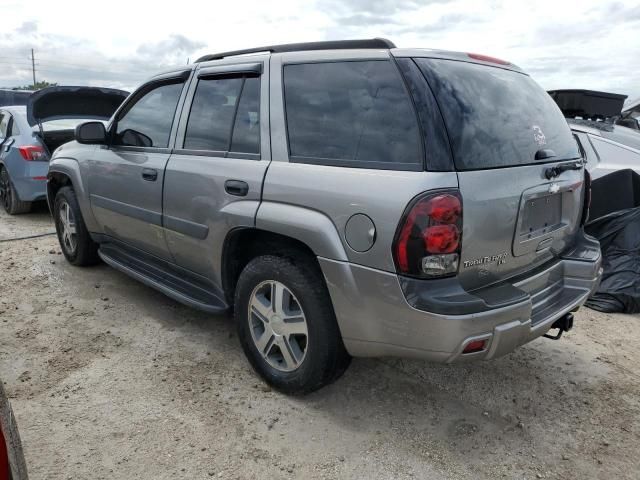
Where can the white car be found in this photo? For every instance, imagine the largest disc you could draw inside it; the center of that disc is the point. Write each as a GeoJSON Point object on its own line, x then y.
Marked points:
{"type": "Point", "coordinates": [607, 147]}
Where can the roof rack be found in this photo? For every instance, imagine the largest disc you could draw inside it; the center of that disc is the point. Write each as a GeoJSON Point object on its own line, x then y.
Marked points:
{"type": "Point", "coordinates": [300, 47]}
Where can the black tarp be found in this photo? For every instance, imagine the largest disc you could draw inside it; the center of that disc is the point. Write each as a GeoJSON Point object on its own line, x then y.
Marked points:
{"type": "Point", "coordinates": [615, 222]}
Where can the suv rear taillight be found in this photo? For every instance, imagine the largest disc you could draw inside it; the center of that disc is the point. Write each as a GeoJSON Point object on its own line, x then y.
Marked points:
{"type": "Point", "coordinates": [428, 240]}
{"type": "Point", "coordinates": [32, 152]}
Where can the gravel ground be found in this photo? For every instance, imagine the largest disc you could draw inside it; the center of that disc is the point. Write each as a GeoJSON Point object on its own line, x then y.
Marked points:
{"type": "Point", "coordinates": [110, 379]}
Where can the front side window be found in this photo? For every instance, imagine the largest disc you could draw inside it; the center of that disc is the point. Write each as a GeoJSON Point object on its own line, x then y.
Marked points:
{"type": "Point", "coordinates": [147, 123]}
{"type": "Point", "coordinates": [351, 113]}
{"type": "Point", "coordinates": [225, 116]}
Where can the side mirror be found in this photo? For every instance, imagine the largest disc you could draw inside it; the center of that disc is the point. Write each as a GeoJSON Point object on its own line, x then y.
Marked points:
{"type": "Point", "coordinates": [92, 133]}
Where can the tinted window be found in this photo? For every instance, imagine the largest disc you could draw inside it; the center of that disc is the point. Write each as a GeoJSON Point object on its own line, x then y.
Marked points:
{"type": "Point", "coordinates": [355, 113]}
{"type": "Point", "coordinates": [148, 122]}
{"type": "Point", "coordinates": [246, 130]}
{"type": "Point", "coordinates": [224, 110]}
{"type": "Point", "coordinates": [496, 117]}
{"type": "Point", "coordinates": [615, 156]}
{"type": "Point", "coordinates": [211, 116]}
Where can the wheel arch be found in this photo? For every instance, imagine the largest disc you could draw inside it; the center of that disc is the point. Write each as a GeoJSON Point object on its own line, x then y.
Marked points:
{"type": "Point", "coordinates": [243, 244]}
{"type": "Point", "coordinates": [66, 172]}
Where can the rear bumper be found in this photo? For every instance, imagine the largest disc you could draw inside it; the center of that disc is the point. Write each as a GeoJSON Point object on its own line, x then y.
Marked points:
{"type": "Point", "coordinates": [381, 314]}
{"type": "Point", "coordinates": [30, 181]}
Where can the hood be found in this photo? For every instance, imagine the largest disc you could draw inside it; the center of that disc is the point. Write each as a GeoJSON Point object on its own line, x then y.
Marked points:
{"type": "Point", "coordinates": [55, 103]}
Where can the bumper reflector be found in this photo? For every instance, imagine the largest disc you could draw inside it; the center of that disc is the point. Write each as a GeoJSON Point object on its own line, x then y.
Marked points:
{"type": "Point", "coordinates": [475, 346]}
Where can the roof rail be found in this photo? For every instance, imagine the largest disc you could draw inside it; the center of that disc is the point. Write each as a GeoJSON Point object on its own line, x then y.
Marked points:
{"type": "Point", "coordinates": [299, 47]}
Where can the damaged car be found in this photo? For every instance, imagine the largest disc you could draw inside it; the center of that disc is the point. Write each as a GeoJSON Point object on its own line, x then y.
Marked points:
{"type": "Point", "coordinates": [29, 134]}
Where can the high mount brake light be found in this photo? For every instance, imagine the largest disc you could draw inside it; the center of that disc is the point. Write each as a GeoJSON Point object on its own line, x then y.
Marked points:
{"type": "Point", "coordinates": [32, 153]}
{"type": "Point", "coordinates": [428, 239]}
{"type": "Point", "coordinates": [487, 58]}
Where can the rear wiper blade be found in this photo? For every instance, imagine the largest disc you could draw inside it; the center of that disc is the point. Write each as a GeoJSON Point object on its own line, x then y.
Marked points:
{"type": "Point", "coordinates": [553, 172]}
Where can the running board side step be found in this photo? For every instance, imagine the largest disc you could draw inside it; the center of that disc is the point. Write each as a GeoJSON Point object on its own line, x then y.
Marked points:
{"type": "Point", "coordinates": [168, 282]}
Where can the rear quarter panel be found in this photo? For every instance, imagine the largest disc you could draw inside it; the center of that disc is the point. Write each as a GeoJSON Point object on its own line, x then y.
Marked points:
{"type": "Point", "coordinates": [338, 193]}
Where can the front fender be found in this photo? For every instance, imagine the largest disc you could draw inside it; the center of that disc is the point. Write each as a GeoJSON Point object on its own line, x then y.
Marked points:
{"type": "Point", "coordinates": [70, 168]}
{"type": "Point", "coordinates": [311, 227]}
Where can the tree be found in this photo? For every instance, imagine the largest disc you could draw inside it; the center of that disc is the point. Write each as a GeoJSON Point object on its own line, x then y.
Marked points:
{"type": "Point", "coordinates": [37, 86]}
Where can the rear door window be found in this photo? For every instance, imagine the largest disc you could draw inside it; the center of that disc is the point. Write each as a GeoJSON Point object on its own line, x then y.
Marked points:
{"type": "Point", "coordinates": [224, 116]}
{"type": "Point", "coordinates": [496, 117]}
{"type": "Point", "coordinates": [352, 113]}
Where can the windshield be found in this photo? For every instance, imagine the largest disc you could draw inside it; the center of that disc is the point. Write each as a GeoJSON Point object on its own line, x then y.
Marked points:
{"type": "Point", "coordinates": [496, 117]}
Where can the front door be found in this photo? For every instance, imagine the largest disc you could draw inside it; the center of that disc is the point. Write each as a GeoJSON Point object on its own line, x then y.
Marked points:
{"type": "Point", "coordinates": [126, 176]}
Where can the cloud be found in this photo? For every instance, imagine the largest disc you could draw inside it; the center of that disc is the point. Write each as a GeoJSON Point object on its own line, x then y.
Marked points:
{"type": "Point", "coordinates": [172, 49]}
{"type": "Point", "coordinates": [592, 44]}
{"type": "Point", "coordinates": [88, 65]}
{"type": "Point", "coordinates": [362, 20]}
{"type": "Point", "coordinates": [27, 27]}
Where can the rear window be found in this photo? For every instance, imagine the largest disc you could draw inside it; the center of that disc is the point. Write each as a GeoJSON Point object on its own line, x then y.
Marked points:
{"type": "Point", "coordinates": [496, 117]}
{"type": "Point", "coordinates": [354, 114]}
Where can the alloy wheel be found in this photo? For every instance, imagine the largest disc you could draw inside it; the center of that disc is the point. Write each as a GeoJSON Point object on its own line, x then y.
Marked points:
{"type": "Point", "coordinates": [278, 326]}
{"type": "Point", "coordinates": [68, 227]}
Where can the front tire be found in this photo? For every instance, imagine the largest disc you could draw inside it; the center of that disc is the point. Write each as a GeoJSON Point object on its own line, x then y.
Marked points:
{"type": "Point", "coordinates": [286, 324]}
{"type": "Point", "coordinates": [76, 243]}
{"type": "Point", "coordinates": [9, 197]}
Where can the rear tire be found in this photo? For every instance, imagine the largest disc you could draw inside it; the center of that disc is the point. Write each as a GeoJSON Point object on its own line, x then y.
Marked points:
{"type": "Point", "coordinates": [9, 197]}
{"type": "Point", "coordinates": [76, 243]}
{"type": "Point", "coordinates": [314, 354]}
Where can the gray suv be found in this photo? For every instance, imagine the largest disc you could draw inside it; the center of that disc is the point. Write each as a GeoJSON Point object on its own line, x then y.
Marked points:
{"type": "Point", "coordinates": [344, 199]}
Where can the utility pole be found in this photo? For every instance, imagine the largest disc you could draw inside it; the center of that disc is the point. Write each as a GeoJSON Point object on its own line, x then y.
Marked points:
{"type": "Point", "coordinates": [33, 68]}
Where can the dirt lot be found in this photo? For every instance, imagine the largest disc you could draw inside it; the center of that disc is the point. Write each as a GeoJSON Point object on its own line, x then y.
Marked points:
{"type": "Point", "coordinates": [110, 379]}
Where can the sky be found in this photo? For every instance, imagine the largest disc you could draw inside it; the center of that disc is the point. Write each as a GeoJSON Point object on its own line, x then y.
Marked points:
{"type": "Point", "coordinates": [588, 44]}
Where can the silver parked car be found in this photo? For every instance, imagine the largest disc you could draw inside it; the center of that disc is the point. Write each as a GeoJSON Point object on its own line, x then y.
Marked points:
{"type": "Point", "coordinates": [29, 134]}
{"type": "Point", "coordinates": [345, 198]}
{"type": "Point", "coordinates": [607, 147]}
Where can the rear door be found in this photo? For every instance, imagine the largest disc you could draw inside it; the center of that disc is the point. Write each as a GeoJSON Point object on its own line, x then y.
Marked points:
{"type": "Point", "coordinates": [507, 136]}
{"type": "Point", "coordinates": [213, 181]}
{"type": "Point", "coordinates": [126, 176]}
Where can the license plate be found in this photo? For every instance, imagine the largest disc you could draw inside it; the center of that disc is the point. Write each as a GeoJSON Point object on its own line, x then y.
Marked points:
{"type": "Point", "coordinates": [541, 213]}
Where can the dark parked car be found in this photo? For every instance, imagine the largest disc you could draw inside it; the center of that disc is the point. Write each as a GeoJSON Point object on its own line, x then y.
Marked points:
{"type": "Point", "coordinates": [14, 97]}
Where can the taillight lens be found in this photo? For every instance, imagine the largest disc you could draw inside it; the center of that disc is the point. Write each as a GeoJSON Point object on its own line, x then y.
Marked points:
{"type": "Point", "coordinates": [428, 240]}
{"type": "Point", "coordinates": [32, 152]}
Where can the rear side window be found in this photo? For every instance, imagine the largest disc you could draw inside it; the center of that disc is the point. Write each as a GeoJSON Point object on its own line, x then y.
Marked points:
{"type": "Point", "coordinates": [496, 117]}
{"type": "Point", "coordinates": [355, 114]}
{"type": "Point", "coordinates": [225, 116]}
{"type": "Point", "coordinates": [147, 123]}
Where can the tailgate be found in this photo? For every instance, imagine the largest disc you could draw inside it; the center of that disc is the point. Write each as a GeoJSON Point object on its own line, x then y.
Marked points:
{"type": "Point", "coordinates": [514, 221]}
{"type": "Point", "coordinates": [506, 135]}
